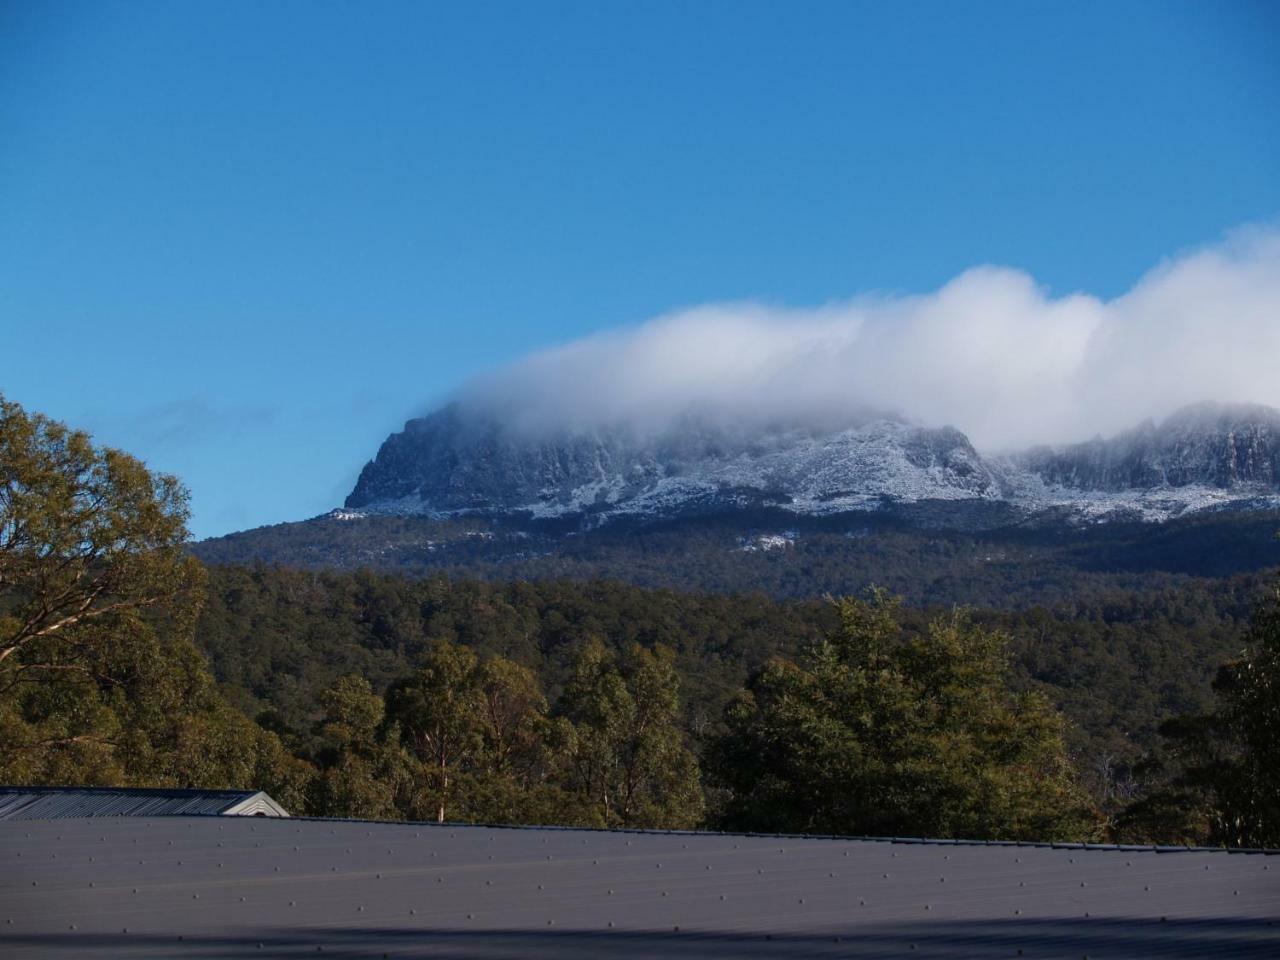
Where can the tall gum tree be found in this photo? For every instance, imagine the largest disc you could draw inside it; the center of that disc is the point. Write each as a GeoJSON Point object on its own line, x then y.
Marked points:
{"type": "Point", "coordinates": [88, 537]}
{"type": "Point", "coordinates": [99, 680]}
{"type": "Point", "coordinates": [885, 731]}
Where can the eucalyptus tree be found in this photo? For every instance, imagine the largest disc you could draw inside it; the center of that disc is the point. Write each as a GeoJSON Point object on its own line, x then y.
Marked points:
{"type": "Point", "coordinates": [884, 731]}
{"type": "Point", "coordinates": [1216, 777]}
{"type": "Point", "coordinates": [624, 750]}
{"type": "Point", "coordinates": [99, 680]}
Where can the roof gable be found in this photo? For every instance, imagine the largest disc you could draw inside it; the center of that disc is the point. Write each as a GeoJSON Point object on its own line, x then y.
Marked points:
{"type": "Point", "coordinates": [57, 803]}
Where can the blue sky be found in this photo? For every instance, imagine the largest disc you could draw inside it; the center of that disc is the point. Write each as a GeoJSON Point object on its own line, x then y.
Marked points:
{"type": "Point", "coordinates": [245, 240]}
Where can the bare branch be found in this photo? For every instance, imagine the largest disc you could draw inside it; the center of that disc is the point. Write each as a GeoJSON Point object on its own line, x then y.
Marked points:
{"type": "Point", "coordinates": [80, 616]}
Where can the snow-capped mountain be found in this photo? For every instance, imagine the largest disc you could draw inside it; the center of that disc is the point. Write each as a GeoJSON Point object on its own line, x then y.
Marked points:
{"type": "Point", "coordinates": [452, 463]}
{"type": "Point", "coordinates": [1222, 446]}
{"type": "Point", "coordinates": [446, 463]}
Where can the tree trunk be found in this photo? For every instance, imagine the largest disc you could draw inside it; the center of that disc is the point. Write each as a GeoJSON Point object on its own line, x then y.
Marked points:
{"type": "Point", "coordinates": [444, 789]}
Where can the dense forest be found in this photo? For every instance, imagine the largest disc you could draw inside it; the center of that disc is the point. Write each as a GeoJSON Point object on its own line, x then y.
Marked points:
{"type": "Point", "coordinates": [988, 559]}
{"type": "Point", "coordinates": [1141, 714]}
{"type": "Point", "coordinates": [1116, 663]}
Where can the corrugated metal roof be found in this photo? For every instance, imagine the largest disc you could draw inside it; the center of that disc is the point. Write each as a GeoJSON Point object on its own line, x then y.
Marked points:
{"type": "Point", "coordinates": [58, 803]}
{"type": "Point", "coordinates": [135, 888]}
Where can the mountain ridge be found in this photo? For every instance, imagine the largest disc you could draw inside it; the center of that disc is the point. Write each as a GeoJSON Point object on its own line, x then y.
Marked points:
{"type": "Point", "coordinates": [452, 463]}
{"type": "Point", "coordinates": [1222, 444]}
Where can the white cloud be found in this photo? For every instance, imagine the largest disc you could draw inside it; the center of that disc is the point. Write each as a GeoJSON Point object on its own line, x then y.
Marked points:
{"type": "Point", "coordinates": [990, 353]}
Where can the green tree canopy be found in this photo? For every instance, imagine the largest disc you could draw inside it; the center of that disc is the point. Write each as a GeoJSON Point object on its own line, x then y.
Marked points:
{"type": "Point", "coordinates": [99, 682]}
{"type": "Point", "coordinates": [481, 740]}
{"type": "Point", "coordinates": [625, 753]}
{"type": "Point", "coordinates": [1250, 690]}
{"type": "Point", "coordinates": [439, 713]}
{"type": "Point", "coordinates": [1217, 778]}
{"type": "Point", "coordinates": [512, 717]}
{"type": "Point", "coordinates": [362, 766]}
{"type": "Point", "coordinates": [88, 538]}
{"type": "Point", "coordinates": [882, 731]}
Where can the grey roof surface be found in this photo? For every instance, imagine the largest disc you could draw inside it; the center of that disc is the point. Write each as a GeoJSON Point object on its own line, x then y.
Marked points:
{"type": "Point", "coordinates": [56, 803]}
{"type": "Point", "coordinates": [205, 887]}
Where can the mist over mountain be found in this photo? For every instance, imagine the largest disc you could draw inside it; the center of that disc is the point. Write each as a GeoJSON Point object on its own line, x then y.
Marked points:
{"type": "Point", "coordinates": [991, 353]}
{"type": "Point", "coordinates": [1207, 456]}
{"type": "Point", "coordinates": [984, 390]}
{"type": "Point", "coordinates": [451, 461]}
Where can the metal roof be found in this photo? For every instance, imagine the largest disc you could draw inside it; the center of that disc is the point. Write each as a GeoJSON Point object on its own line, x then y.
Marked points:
{"type": "Point", "coordinates": [57, 803]}
{"type": "Point", "coordinates": [212, 887]}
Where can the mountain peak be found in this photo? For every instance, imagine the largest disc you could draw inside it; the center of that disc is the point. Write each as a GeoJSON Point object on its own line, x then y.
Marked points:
{"type": "Point", "coordinates": [452, 461]}
{"type": "Point", "coordinates": [457, 461]}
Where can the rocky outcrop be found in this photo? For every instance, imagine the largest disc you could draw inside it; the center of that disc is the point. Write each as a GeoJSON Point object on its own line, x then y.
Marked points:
{"type": "Point", "coordinates": [1214, 445]}
{"type": "Point", "coordinates": [449, 462]}
{"type": "Point", "coordinates": [454, 461]}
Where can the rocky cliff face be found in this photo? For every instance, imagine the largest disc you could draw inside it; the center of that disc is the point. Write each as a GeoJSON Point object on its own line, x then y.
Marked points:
{"type": "Point", "coordinates": [452, 462]}
{"type": "Point", "coordinates": [448, 462]}
{"type": "Point", "coordinates": [1214, 445]}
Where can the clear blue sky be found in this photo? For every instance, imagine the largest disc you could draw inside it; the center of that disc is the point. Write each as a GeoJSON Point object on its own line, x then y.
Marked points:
{"type": "Point", "coordinates": [247, 240]}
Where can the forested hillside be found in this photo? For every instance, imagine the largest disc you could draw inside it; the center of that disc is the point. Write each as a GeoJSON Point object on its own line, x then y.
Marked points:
{"type": "Point", "coordinates": [1117, 663]}
{"type": "Point", "coordinates": [991, 562]}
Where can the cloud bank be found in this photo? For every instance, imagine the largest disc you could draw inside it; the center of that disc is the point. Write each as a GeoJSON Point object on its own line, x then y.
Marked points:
{"type": "Point", "coordinates": [990, 353]}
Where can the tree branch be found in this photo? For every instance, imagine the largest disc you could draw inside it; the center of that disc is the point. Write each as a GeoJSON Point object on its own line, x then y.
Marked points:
{"type": "Point", "coordinates": [83, 614]}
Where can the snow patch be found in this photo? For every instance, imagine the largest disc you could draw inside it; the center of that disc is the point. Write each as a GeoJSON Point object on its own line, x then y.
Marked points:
{"type": "Point", "coordinates": [767, 541]}
{"type": "Point", "coordinates": [340, 513]}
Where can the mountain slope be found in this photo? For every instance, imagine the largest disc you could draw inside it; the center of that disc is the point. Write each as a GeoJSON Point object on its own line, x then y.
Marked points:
{"type": "Point", "coordinates": [1222, 446]}
{"type": "Point", "coordinates": [452, 463]}
{"type": "Point", "coordinates": [448, 463]}
{"type": "Point", "coordinates": [786, 555]}
{"type": "Point", "coordinates": [800, 512]}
